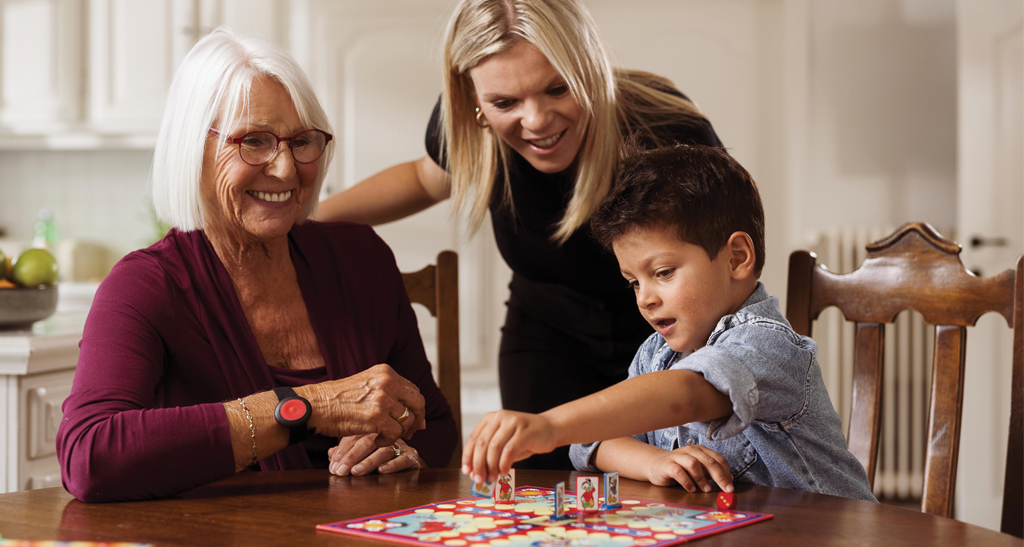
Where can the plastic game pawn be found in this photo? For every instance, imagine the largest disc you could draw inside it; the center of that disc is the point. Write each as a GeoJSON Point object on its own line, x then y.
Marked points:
{"type": "Point", "coordinates": [505, 490]}
{"type": "Point", "coordinates": [560, 500]}
{"type": "Point", "coordinates": [586, 498]}
{"type": "Point", "coordinates": [611, 490]}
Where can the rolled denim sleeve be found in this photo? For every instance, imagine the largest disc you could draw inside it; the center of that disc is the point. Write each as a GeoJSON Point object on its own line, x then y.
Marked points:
{"type": "Point", "coordinates": [747, 360]}
{"type": "Point", "coordinates": [582, 455]}
{"type": "Point", "coordinates": [732, 377]}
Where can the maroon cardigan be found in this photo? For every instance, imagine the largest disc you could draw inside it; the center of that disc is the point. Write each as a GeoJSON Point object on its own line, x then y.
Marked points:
{"type": "Point", "coordinates": [166, 342]}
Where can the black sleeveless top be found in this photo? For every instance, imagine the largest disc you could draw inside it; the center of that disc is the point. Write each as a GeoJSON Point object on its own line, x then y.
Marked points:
{"type": "Point", "coordinates": [574, 289]}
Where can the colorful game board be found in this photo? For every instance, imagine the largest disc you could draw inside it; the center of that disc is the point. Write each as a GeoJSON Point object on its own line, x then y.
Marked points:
{"type": "Point", "coordinates": [479, 521]}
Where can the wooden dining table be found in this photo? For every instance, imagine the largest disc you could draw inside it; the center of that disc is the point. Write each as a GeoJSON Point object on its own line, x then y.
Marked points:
{"type": "Point", "coordinates": [284, 507]}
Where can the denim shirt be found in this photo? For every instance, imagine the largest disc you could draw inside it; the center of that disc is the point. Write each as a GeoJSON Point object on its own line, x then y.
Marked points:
{"type": "Point", "coordinates": [783, 430]}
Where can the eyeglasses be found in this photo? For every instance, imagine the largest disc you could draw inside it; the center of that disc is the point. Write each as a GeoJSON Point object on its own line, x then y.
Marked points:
{"type": "Point", "coordinates": [259, 147]}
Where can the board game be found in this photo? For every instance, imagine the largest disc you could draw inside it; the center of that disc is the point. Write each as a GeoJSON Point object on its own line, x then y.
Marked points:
{"type": "Point", "coordinates": [531, 520]}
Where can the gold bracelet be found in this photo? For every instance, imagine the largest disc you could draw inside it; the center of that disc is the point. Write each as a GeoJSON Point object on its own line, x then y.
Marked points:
{"type": "Point", "coordinates": [252, 429]}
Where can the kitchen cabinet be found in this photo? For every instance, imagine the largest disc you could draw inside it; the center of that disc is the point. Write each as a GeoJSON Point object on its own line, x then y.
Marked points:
{"type": "Point", "coordinates": [42, 62]}
{"type": "Point", "coordinates": [95, 74]}
{"type": "Point", "coordinates": [36, 370]}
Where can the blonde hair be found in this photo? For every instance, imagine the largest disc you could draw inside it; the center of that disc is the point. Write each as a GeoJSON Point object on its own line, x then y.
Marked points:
{"type": "Point", "coordinates": [213, 83]}
{"type": "Point", "coordinates": [564, 32]}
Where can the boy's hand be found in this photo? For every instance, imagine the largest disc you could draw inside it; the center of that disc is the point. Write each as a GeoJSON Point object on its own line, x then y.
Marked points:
{"type": "Point", "coordinates": [690, 466]}
{"type": "Point", "coordinates": [503, 438]}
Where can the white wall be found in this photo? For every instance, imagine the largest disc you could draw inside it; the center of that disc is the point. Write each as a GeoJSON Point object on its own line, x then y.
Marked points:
{"type": "Point", "coordinates": [882, 114]}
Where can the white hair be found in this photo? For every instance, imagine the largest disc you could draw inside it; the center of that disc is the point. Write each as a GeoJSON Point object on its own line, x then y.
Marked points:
{"type": "Point", "coordinates": [213, 84]}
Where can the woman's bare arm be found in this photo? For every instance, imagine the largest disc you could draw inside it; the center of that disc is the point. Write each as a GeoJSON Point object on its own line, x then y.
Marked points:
{"type": "Point", "coordinates": [392, 194]}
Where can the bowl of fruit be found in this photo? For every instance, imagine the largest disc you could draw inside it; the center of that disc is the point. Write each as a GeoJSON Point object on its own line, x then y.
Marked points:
{"type": "Point", "coordinates": [28, 288]}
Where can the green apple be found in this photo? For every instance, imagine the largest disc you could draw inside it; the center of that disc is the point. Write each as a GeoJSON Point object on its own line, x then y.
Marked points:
{"type": "Point", "coordinates": [34, 267]}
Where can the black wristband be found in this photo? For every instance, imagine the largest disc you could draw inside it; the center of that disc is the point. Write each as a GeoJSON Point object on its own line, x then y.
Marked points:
{"type": "Point", "coordinates": [293, 412]}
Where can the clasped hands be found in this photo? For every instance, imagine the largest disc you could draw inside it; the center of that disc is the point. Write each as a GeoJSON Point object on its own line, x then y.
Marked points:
{"type": "Point", "coordinates": [372, 412]}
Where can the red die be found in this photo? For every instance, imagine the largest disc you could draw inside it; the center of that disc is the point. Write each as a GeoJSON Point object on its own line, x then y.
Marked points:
{"type": "Point", "coordinates": [726, 501]}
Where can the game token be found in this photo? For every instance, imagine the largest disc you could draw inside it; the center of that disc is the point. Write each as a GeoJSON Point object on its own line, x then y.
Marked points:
{"type": "Point", "coordinates": [726, 501]}
{"type": "Point", "coordinates": [586, 492]}
{"type": "Point", "coordinates": [560, 500]}
{"type": "Point", "coordinates": [483, 489]}
{"type": "Point", "coordinates": [506, 488]}
{"type": "Point", "coordinates": [611, 489]}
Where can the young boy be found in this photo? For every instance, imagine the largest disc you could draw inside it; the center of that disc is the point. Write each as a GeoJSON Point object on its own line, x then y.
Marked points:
{"type": "Point", "coordinates": [724, 388]}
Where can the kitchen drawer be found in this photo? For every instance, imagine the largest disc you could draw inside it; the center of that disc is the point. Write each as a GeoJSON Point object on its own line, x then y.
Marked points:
{"type": "Point", "coordinates": [43, 395]}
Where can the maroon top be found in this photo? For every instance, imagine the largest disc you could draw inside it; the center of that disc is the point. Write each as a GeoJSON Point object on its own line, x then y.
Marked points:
{"type": "Point", "coordinates": [166, 342]}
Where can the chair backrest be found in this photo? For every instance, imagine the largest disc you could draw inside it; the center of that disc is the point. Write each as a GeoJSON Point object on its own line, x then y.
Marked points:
{"type": "Point", "coordinates": [437, 288]}
{"type": "Point", "coordinates": [915, 268]}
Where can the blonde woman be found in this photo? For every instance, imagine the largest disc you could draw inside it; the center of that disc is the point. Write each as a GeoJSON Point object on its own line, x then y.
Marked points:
{"type": "Point", "coordinates": [528, 128]}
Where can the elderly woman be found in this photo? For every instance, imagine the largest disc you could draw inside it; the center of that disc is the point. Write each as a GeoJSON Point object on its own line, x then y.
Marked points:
{"type": "Point", "coordinates": [528, 128]}
{"type": "Point", "coordinates": [247, 338]}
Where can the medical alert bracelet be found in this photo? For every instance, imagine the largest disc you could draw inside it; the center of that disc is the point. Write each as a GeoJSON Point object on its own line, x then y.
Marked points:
{"type": "Point", "coordinates": [252, 428]}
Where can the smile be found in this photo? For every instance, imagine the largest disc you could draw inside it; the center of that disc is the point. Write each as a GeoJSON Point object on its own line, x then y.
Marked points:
{"type": "Point", "coordinates": [272, 198]}
{"type": "Point", "coordinates": [548, 142]}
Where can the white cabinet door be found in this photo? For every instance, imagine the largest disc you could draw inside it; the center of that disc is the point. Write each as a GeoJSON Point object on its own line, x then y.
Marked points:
{"type": "Point", "coordinates": [135, 48]}
{"type": "Point", "coordinates": [41, 65]}
{"type": "Point", "coordinates": [132, 57]}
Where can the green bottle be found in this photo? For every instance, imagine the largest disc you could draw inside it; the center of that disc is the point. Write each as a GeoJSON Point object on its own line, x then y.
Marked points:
{"type": "Point", "coordinates": [45, 231]}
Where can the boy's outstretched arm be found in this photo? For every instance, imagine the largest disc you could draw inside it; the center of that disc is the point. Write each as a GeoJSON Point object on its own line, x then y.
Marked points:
{"type": "Point", "coordinates": [643, 403]}
{"type": "Point", "coordinates": [690, 466]}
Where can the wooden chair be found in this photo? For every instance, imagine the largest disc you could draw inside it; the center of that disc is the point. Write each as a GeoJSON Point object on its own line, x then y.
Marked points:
{"type": "Point", "coordinates": [915, 268]}
{"type": "Point", "coordinates": [437, 288]}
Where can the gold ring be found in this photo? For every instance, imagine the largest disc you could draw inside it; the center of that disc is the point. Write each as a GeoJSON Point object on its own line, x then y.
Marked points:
{"type": "Point", "coordinates": [397, 449]}
{"type": "Point", "coordinates": [404, 415]}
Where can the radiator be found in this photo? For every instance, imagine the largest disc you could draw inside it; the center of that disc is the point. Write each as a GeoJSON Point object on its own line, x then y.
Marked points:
{"type": "Point", "coordinates": [907, 373]}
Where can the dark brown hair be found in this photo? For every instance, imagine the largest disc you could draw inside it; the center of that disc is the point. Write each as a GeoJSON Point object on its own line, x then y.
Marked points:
{"type": "Point", "coordinates": [700, 191]}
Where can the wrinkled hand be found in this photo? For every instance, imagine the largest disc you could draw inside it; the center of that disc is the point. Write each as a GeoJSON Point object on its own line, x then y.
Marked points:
{"type": "Point", "coordinates": [690, 467]}
{"type": "Point", "coordinates": [503, 438]}
{"type": "Point", "coordinates": [358, 455]}
{"type": "Point", "coordinates": [370, 402]}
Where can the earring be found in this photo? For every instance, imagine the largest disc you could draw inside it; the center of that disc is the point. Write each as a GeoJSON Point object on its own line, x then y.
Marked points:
{"type": "Point", "coordinates": [481, 120]}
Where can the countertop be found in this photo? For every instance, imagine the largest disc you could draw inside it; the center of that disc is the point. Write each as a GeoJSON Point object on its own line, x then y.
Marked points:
{"type": "Point", "coordinates": [51, 344]}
